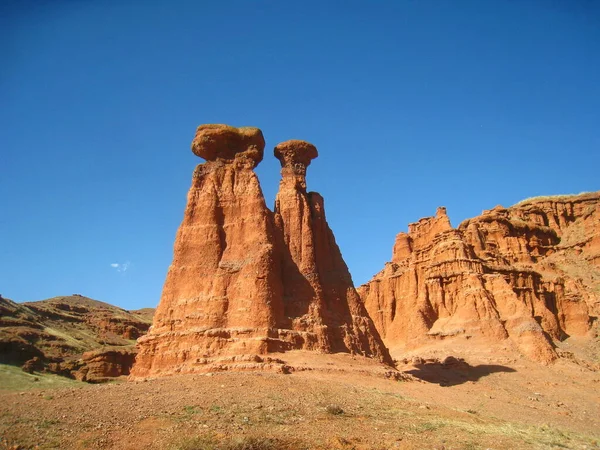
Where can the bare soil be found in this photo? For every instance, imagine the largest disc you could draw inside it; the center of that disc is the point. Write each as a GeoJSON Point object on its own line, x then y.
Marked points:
{"type": "Point", "coordinates": [491, 400]}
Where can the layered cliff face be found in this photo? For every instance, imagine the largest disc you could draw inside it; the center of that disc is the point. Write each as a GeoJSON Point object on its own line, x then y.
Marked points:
{"type": "Point", "coordinates": [528, 273]}
{"type": "Point", "coordinates": [244, 280]}
{"type": "Point", "coordinates": [319, 297]}
{"type": "Point", "coordinates": [222, 294]}
{"type": "Point", "coordinates": [104, 364]}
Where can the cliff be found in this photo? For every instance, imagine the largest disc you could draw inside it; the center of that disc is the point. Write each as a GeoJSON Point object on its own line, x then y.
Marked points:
{"type": "Point", "coordinates": [529, 273]}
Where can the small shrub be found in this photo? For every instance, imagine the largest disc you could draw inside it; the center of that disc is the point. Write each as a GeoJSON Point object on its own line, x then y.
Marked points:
{"type": "Point", "coordinates": [197, 443]}
{"type": "Point", "coordinates": [244, 443]}
{"type": "Point", "coordinates": [189, 409]}
{"type": "Point", "coordinates": [48, 423]}
{"type": "Point", "coordinates": [253, 443]}
{"type": "Point", "coordinates": [334, 410]}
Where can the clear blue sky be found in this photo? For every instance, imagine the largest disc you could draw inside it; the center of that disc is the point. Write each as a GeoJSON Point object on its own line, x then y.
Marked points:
{"type": "Point", "coordinates": [412, 105]}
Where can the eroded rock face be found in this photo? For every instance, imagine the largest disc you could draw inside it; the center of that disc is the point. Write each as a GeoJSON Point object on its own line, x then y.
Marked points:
{"type": "Point", "coordinates": [225, 143]}
{"type": "Point", "coordinates": [224, 302]}
{"type": "Point", "coordinates": [319, 297]}
{"type": "Point", "coordinates": [101, 365]}
{"type": "Point", "coordinates": [223, 292]}
{"type": "Point", "coordinates": [528, 273]}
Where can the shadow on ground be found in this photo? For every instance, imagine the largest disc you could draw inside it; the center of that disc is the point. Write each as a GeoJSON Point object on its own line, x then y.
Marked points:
{"type": "Point", "coordinates": [454, 374]}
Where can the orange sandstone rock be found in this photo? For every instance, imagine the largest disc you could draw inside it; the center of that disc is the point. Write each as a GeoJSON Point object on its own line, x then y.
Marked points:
{"type": "Point", "coordinates": [246, 282]}
{"type": "Point", "coordinates": [223, 292]}
{"type": "Point", "coordinates": [528, 273]}
{"type": "Point", "coordinates": [320, 300]}
{"type": "Point", "coordinates": [104, 364]}
{"type": "Point", "coordinates": [225, 143]}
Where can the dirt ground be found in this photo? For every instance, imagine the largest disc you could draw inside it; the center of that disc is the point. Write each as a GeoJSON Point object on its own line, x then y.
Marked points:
{"type": "Point", "coordinates": [491, 400]}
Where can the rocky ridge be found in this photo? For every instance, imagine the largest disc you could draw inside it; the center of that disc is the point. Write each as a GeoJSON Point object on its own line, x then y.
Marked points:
{"type": "Point", "coordinates": [73, 336]}
{"type": "Point", "coordinates": [246, 282]}
{"type": "Point", "coordinates": [529, 273]}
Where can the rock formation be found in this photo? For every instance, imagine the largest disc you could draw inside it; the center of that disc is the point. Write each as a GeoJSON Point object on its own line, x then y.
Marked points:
{"type": "Point", "coordinates": [319, 296]}
{"type": "Point", "coordinates": [223, 292]}
{"type": "Point", "coordinates": [55, 335]}
{"type": "Point", "coordinates": [244, 281]}
{"type": "Point", "coordinates": [104, 364]}
{"type": "Point", "coordinates": [530, 273]}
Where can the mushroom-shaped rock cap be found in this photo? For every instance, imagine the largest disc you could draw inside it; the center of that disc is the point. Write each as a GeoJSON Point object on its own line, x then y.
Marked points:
{"type": "Point", "coordinates": [289, 153]}
{"type": "Point", "coordinates": [216, 141]}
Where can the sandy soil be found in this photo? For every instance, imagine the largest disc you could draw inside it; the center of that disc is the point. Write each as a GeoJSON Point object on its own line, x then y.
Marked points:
{"type": "Point", "coordinates": [492, 400]}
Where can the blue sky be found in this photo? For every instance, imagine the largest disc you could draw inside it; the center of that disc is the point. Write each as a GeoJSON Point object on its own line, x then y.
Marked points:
{"type": "Point", "coordinates": [412, 105]}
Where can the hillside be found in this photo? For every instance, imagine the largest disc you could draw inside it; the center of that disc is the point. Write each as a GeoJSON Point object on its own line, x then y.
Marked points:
{"type": "Point", "coordinates": [73, 336]}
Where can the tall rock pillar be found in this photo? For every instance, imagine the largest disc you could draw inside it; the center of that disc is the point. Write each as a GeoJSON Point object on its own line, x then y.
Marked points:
{"type": "Point", "coordinates": [319, 297]}
{"type": "Point", "coordinates": [245, 281]}
{"type": "Point", "coordinates": [223, 291]}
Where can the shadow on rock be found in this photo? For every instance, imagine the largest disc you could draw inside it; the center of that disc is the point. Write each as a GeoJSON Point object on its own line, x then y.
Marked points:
{"type": "Point", "coordinates": [453, 371]}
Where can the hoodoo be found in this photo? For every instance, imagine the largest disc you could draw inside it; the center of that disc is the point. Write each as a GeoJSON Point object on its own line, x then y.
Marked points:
{"type": "Point", "coordinates": [319, 297]}
{"type": "Point", "coordinates": [246, 282]}
{"type": "Point", "coordinates": [222, 294]}
{"type": "Point", "coordinates": [529, 273]}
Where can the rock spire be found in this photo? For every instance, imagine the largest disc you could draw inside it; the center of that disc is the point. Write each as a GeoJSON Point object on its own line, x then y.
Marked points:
{"type": "Point", "coordinates": [246, 282]}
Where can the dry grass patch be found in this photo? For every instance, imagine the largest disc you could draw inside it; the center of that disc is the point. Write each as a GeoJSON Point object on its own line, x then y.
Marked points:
{"type": "Point", "coordinates": [211, 442]}
{"type": "Point", "coordinates": [12, 378]}
{"type": "Point", "coordinates": [544, 436]}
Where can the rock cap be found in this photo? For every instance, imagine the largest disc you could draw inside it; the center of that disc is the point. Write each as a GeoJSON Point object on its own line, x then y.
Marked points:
{"type": "Point", "coordinates": [223, 142]}
{"type": "Point", "coordinates": [293, 152]}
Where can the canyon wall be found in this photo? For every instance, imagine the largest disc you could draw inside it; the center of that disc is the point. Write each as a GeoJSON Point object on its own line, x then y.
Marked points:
{"type": "Point", "coordinates": [529, 273]}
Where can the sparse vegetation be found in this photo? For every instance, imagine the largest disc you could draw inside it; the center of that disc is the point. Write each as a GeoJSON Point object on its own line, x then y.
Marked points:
{"type": "Point", "coordinates": [549, 197]}
{"type": "Point", "coordinates": [334, 410]}
{"type": "Point", "coordinates": [200, 414]}
{"type": "Point", "coordinates": [189, 409]}
{"type": "Point", "coordinates": [543, 436]}
{"type": "Point", "coordinates": [12, 378]}
{"type": "Point", "coordinates": [48, 423]}
{"type": "Point", "coordinates": [244, 443]}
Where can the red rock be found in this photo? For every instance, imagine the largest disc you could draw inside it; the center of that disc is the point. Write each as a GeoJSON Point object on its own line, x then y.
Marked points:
{"type": "Point", "coordinates": [528, 273]}
{"type": "Point", "coordinates": [34, 364]}
{"type": "Point", "coordinates": [223, 292]}
{"type": "Point", "coordinates": [225, 143]}
{"type": "Point", "coordinates": [52, 335]}
{"type": "Point", "coordinates": [101, 365]}
{"type": "Point", "coordinates": [319, 297]}
{"type": "Point", "coordinates": [223, 302]}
